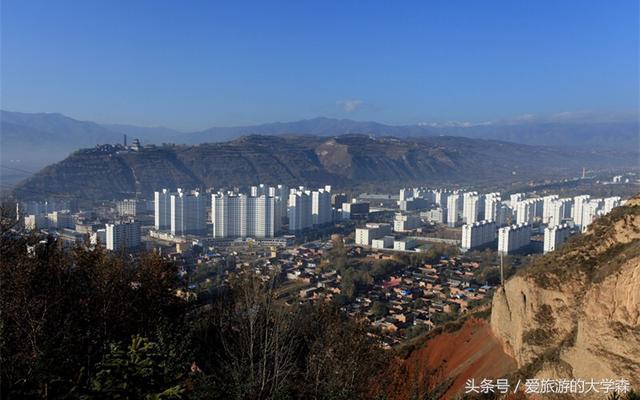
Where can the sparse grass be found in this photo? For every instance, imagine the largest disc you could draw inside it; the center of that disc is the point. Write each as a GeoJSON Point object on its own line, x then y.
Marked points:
{"type": "Point", "coordinates": [538, 336]}
{"type": "Point", "coordinates": [585, 256]}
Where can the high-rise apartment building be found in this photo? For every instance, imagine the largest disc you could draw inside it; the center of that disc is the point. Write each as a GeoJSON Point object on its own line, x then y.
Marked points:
{"type": "Point", "coordinates": [478, 234]}
{"type": "Point", "coordinates": [590, 211]}
{"type": "Point", "coordinates": [162, 209]}
{"type": "Point", "coordinates": [299, 210]}
{"type": "Point", "coordinates": [470, 207]}
{"type": "Point", "coordinates": [527, 210]}
{"type": "Point", "coordinates": [610, 203]}
{"type": "Point", "coordinates": [491, 205]}
{"type": "Point", "coordinates": [188, 213]}
{"type": "Point", "coordinates": [515, 198]}
{"type": "Point", "coordinates": [321, 211]}
{"type": "Point", "coordinates": [129, 207]}
{"type": "Point", "coordinates": [547, 203]}
{"type": "Point", "coordinates": [578, 205]}
{"type": "Point", "coordinates": [454, 205]}
{"type": "Point", "coordinates": [229, 215]}
{"type": "Point", "coordinates": [559, 210]}
{"type": "Point", "coordinates": [555, 236]}
{"type": "Point", "coordinates": [513, 238]}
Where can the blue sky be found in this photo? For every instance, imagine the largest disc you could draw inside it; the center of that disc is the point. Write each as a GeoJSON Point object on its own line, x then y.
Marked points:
{"type": "Point", "coordinates": [190, 65]}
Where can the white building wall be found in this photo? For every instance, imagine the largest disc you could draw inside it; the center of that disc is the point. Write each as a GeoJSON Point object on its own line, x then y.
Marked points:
{"type": "Point", "coordinates": [162, 209]}
{"type": "Point", "coordinates": [122, 236]}
{"type": "Point", "coordinates": [321, 210]}
{"type": "Point", "coordinates": [478, 234]}
{"type": "Point", "coordinates": [513, 238]}
{"type": "Point", "coordinates": [555, 236]}
{"type": "Point", "coordinates": [578, 205]}
{"type": "Point", "coordinates": [188, 213]}
{"type": "Point", "coordinates": [453, 209]}
{"type": "Point", "coordinates": [300, 211]}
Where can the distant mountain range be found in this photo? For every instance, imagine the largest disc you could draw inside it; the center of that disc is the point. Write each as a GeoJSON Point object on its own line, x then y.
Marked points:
{"type": "Point", "coordinates": [31, 141]}
{"type": "Point", "coordinates": [345, 161]}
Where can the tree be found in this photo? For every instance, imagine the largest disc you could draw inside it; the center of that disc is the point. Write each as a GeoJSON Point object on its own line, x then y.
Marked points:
{"type": "Point", "coordinates": [379, 309]}
{"type": "Point", "coordinates": [140, 372]}
{"type": "Point", "coordinates": [59, 309]}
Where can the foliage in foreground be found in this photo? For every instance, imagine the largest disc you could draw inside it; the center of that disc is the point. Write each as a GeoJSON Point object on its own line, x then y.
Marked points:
{"type": "Point", "coordinates": [89, 325]}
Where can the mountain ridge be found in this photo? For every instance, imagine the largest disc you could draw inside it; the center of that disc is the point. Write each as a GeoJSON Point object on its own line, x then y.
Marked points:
{"type": "Point", "coordinates": [31, 141]}
{"type": "Point", "coordinates": [346, 161]}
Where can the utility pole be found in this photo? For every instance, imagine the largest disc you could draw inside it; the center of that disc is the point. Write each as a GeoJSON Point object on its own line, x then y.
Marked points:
{"type": "Point", "coordinates": [502, 270]}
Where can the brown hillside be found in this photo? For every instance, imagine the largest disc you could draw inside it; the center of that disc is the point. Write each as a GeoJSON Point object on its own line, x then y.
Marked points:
{"type": "Point", "coordinates": [446, 361]}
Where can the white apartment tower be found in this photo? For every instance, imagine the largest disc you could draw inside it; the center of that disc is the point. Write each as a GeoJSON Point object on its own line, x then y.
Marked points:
{"type": "Point", "coordinates": [299, 210]}
{"type": "Point", "coordinates": [491, 205]}
{"type": "Point", "coordinates": [559, 210]}
{"type": "Point", "coordinates": [527, 210]}
{"type": "Point", "coordinates": [590, 211]}
{"type": "Point", "coordinates": [578, 205]}
{"type": "Point", "coordinates": [515, 198]}
{"type": "Point", "coordinates": [610, 203]}
{"type": "Point", "coordinates": [321, 211]}
{"type": "Point", "coordinates": [513, 238]}
{"type": "Point", "coordinates": [470, 207]}
{"type": "Point", "coordinates": [188, 213]}
{"type": "Point", "coordinates": [547, 202]}
{"type": "Point", "coordinates": [260, 216]}
{"type": "Point", "coordinates": [229, 215]}
{"type": "Point", "coordinates": [162, 209]}
{"type": "Point", "coordinates": [478, 234]}
{"type": "Point", "coordinates": [554, 236]}
{"type": "Point", "coordinates": [453, 209]}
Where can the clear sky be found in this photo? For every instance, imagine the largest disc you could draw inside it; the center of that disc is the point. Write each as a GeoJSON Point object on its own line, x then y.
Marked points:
{"type": "Point", "coordinates": [191, 64]}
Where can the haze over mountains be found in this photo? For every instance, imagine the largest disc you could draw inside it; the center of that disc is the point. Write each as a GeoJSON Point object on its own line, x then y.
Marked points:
{"type": "Point", "coordinates": [346, 161]}
{"type": "Point", "coordinates": [32, 140]}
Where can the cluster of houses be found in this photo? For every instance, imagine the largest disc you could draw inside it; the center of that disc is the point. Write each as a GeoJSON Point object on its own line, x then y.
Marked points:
{"type": "Point", "coordinates": [413, 299]}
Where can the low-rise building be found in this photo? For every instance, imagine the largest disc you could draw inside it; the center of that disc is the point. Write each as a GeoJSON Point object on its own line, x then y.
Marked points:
{"type": "Point", "coordinates": [371, 231]}
{"type": "Point", "coordinates": [406, 222]}
{"type": "Point", "coordinates": [122, 235]}
{"type": "Point", "coordinates": [383, 243]}
{"type": "Point", "coordinates": [355, 210]}
{"type": "Point", "coordinates": [404, 244]}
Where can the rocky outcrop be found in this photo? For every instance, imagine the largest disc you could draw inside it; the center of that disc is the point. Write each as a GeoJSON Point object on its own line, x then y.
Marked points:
{"type": "Point", "coordinates": [575, 313]}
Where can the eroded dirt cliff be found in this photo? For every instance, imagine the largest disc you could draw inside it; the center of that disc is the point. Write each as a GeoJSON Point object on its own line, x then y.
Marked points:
{"type": "Point", "coordinates": [575, 313]}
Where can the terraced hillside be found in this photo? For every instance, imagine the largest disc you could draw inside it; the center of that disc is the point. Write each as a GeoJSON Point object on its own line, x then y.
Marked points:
{"type": "Point", "coordinates": [342, 161]}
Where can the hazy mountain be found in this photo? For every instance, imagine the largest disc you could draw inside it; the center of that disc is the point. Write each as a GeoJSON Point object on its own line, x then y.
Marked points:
{"type": "Point", "coordinates": [320, 126]}
{"type": "Point", "coordinates": [28, 142]}
{"type": "Point", "coordinates": [31, 141]}
{"type": "Point", "coordinates": [342, 161]}
{"type": "Point", "coordinates": [576, 133]}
